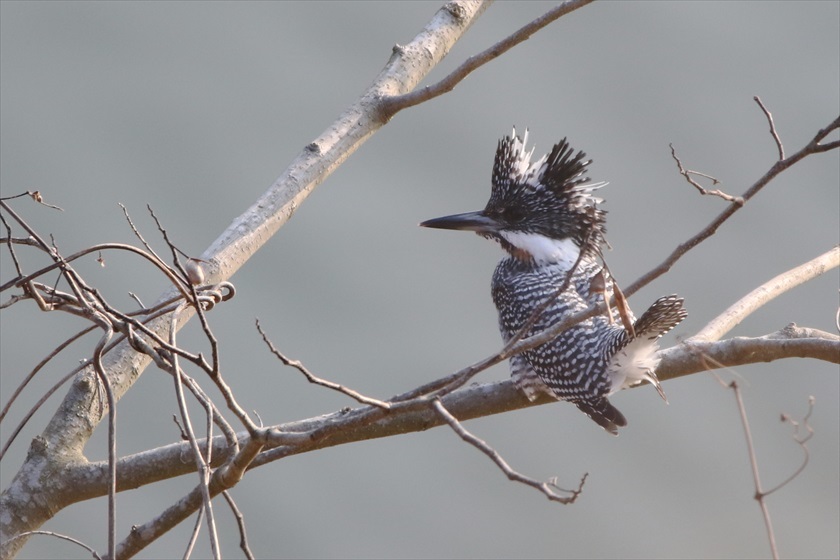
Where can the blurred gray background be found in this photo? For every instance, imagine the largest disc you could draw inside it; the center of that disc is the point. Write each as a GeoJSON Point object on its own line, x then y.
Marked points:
{"type": "Point", "coordinates": [195, 108]}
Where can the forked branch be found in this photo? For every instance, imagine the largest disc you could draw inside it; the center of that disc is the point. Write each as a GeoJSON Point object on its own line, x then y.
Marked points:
{"type": "Point", "coordinates": [801, 440]}
{"type": "Point", "coordinates": [550, 488]}
{"type": "Point", "coordinates": [391, 105]}
{"type": "Point", "coordinates": [813, 147]}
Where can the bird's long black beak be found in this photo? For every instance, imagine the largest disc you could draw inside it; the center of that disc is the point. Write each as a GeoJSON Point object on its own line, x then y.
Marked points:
{"type": "Point", "coordinates": [469, 221]}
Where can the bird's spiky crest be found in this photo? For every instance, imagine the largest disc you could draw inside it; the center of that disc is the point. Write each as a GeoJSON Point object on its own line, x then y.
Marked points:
{"type": "Point", "coordinates": [558, 174]}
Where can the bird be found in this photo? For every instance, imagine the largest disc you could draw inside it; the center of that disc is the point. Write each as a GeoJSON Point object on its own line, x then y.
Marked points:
{"type": "Point", "coordinates": [546, 216]}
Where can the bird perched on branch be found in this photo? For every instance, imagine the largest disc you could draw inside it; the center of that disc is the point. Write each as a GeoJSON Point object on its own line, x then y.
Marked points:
{"type": "Point", "coordinates": [545, 215]}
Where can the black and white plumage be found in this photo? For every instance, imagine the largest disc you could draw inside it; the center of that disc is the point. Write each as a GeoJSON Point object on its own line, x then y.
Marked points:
{"type": "Point", "coordinates": [545, 214]}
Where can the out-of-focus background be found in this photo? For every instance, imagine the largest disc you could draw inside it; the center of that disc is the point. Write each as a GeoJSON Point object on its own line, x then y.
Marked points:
{"type": "Point", "coordinates": [195, 108]}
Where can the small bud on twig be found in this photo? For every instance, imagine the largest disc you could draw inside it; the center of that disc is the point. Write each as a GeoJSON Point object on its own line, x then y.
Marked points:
{"type": "Point", "coordinates": [195, 271]}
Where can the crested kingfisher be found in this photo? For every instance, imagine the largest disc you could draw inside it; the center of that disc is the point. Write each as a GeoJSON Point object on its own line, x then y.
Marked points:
{"type": "Point", "coordinates": [545, 215]}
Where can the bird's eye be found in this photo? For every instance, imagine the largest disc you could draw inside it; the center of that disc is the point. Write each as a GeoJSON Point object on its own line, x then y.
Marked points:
{"type": "Point", "coordinates": [513, 214]}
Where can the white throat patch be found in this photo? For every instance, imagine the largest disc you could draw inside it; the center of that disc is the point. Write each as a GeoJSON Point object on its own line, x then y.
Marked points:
{"type": "Point", "coordinates": [544, 249]}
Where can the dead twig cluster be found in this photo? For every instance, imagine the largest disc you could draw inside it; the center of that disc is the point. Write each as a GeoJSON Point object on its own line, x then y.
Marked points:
{"type": "Point", "coordinates": [82, 300]}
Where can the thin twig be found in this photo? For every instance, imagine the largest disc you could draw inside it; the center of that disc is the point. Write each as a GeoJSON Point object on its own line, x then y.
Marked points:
{"type": "Point", "coordinates": [94, 313]}
{"type": "Point", "coordinates": [759, 494]}
{"type": "Point", "coordinates": [813, 147]}
{"type": "Point", "coordinates": [93, 249]}
{"type": "Point", "coordinates": [57, 535]}
{"type": "Point", "coordinates": [10, 241]}
{"type": "Point", "coordinates": [240, 523]}
{"type": "Point", "coordinates": [34, 195]}
{"type": "Point", "coordinates": [687, 173]}
{"type": "Point", "coordinates": [801, 440]}
{"type": "Point", "coordinates": [112, 434]}
{"type": "Point", "coordinates": [621, 304]}
{"type": "Point", "coordinates": [223, 478]}
{"type": "Point", "coordinates": [550, 489]}
{"type": "Point", "coordinates": [317, 380]}
{"type": "Point", "coordinates": [389, 106]}
{"type": "Point", "coordinates": [56, 386]}
{"type": "Point", "coordinates": [38, 368]}
{"type": "Point", "coordinates": [214, 371]}
{"type": "Point", "coordinates": [31, 231]}
{"type": "Point", "coordinates": [28, 241]}
{"type": "Point", "coordinates": [142, 239]}
{"type": "Point", "coordinates": [202, 466]}
{"type": "Point", "coordinates": [173, 250]}
{"type": "Point", "coordinates": [196, 531]}
{"type": "Point", "coordinates": [772, 127]}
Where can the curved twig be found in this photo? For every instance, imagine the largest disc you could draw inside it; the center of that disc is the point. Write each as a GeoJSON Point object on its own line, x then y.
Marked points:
{"type": "Point", "coordinates": [813, 147]}
{"type": "Point", "coordinates": [312, 378]}
{"type": "Point", "coordinates": [102, 375]}
{"type": "Point", "coordinates": [240, 523]}
{"type": "Point", "coordinates": [28, 534]}
{"type": "Point", "coordinates": [389, 106]}
{"type": "Point", "coordinates": [765, 512]}
{"type": "Point", "coordinates": [178, 282]}
{"type": "Point", "coordinates": [771, 289]}
{"type": "Point", "coordinates": [202, 463]}
{"type": "Point", "coordinates": [550, 489]}
{"type": "Point", "coordinates": [773, 132]}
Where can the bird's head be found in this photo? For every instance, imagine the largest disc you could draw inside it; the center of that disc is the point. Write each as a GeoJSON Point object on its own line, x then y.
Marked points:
{"type": "Point", "coordinates": [543, 211]}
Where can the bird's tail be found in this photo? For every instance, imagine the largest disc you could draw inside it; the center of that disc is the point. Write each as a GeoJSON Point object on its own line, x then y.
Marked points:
{"type": "Point", "coordinates": [666, 313]}
{"type": "Point", "coordinates": [603, 413]}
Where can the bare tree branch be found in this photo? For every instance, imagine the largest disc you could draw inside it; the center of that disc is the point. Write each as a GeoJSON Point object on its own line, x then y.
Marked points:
{"type": "Point", "coordinates": [550, 489]}
{"type": "Point", "coordinates": [17, 282]}
{"type": "Point", "coordinates": [414, 414]}
{"type": "Point", "coordinates": [409, 411]}
{"type": "Point", "coordinates": [240, 523]}
{"type": "Point", "coordinates": [813, 147]}
{"type": "Point", "coordinates": [772, 128]}
{"type": "Point", "coordinates": [69, 430]}
{"type": "Point", "coordinates": [222, 479]}
{"type": "Point", "coordinates": [389, 106]}
{"type": "Point", "coordinates": [34, 195]}
{"type": "Point", "coordinates": [38, 368]}
{"type": "Point", "coordinates": [760, 493]}
{"type": "Point", "coordinates": [356, 425]}
{"type": "Point", "coordinates": [317, 380]}
{"type": "Point", "coordinates": [102, 376]}
{"type": "Point", "coordinates": [771, 289]}
{"type": "Point", "coordinates": [201, 461]}
{"type": "Point", "coordinates": [759, 496]}
{"type": "Point", "coordinates": [801, 440]}
{"type": "Point", "coordinates": [435, 403]}
{"type": "Point", "coordinates": [687, 173]}
{"type": "Point", "coordinates": [790, 342]}
{"type": "Point", "coordinates": [28, 534]}
{"type": "Point", "coordinates": [471, 402]}
{"type": "Point", "coordinates": [486, 399]}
